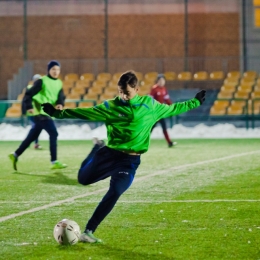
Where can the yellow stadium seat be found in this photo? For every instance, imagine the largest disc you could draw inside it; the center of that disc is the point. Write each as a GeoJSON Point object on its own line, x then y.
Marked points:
{"type": "Point", "coordinates": [86, 104]}
{"type": "Point", "coordinates": [221, 103]}
{"type": "Point", "coordinates": [238, 103]}
{"type": "Point", "coordinates": [149, 82]}
{"type": "Point", "coordinates": [67, 84]}
{"type": "Point", "coordinates": [185, 75]}
{"type": "Point", "coordinates": [95, 90]}
{"type": "Point", "coordinates": [250, 74]}
{"type": "Point", "coordinates": [13, 112]}
{"type": "Point", "coordinates": [99, 84]}
{"type": "Point", "coordinates": [116, 76]}
{"type": "Point", "coordinates": [201, 75]}
{"type": "Point", "coordinates": [146, 87]}
{"type": "Point", "coordinates": [226, 88]}
{"type": "Point", "coordinates": [258, 82]}
{"type": "Point", "coordinates": [112, 85]}
{"type": "Point", "coordinates": [255, 94]}
{"type": "Point", "coordinates": [106, 96]}
{"type": "Point", "coordinates": [241, 94]}
{"type": "Point", "coordinates": [225, 95]}
{"type": "Point", "coordinates": [79, 91]}
{"type": "Point", "coordinates": [139, 75]}
{"type": "Point", "coordinates": [69, 105]}
{"type": "Point", "coordinates": [20, 97]}
{"type": "Point", "coordinates": [66, 91]}
{"type": "Point", "coordinates": [73, 96]}
{"type": "Point", "coordinates": [233, 81]}
{"type": "Point", "coordinates": [247, 81]}
{"type": "Point", "coordinates": [71, 76]}
{"type": "Point", "coordinates": [216, 75]}
{"type": "Point", "coordinates": [87, 76]}
{"type": "Point", "coordinates": [217, 111]}
{"type": "Point", "coordinates": [245, 87]}
{"type": "Point", "coordinates": [110, 91]}
{"type": "Point", "coordinates": [23, 91]}
{"type": "Point", "coordinates": [82, 83]}
{"type": "Point", "coordinates": [16, 106]}
{"type": "Point", "coordinates": [151, 76]}
{"type": "Point", "coordinates": [257, 88]}
{"type": "Point", "coordinates": [91, 95]}
{"type": "Point", "coordinates": [104, 77]}
{"type": "Point", "coordinates": [143, 92]}
{"type": "Point", "coordinates": [169, 75]}
{"type": "Point", "coordinates": [233, 110]}
{"type": "Point", "coordinates": [234, 74]}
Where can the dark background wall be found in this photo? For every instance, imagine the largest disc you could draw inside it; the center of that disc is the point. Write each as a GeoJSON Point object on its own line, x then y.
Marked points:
{"type": "Point", "coordinates": [130, 36]}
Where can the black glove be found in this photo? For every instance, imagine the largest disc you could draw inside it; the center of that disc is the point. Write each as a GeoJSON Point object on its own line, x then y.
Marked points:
{"type": "Point", "coordinates": [201, 96]}
{"type": "Point", "coordinates": [48, 108]}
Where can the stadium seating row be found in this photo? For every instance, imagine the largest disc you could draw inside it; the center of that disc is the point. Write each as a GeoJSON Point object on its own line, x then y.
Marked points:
{"type": "Point", "coordinates": [104, 86]}
{"type": "Point", "coordinates": [238, 95]}
{"type": "Point", "coordinates": [150, 76]}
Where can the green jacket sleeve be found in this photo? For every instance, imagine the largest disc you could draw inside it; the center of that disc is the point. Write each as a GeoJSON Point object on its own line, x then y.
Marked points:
{"type": "Point", "coordinates": [96, 113]}
{"type": "Point", "coordinates": [163, 110]}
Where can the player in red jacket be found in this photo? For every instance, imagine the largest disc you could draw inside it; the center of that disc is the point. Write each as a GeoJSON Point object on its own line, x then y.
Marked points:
{"type": "Point", "coordinates": [160, 93]}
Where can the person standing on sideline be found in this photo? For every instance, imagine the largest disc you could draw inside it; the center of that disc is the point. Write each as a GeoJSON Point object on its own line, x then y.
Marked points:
{"type": "Point", "coordinates": [37, 146]}
{"type": "Point", "coordinates": [46, 89]}
{"type": "Point", "coordinates": [160, 93]}
{"type": "Point", "coordinates": [129, 119]}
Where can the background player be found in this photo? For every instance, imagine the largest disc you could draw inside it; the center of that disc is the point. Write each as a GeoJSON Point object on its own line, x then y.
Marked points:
{"type": "Point", "coordinates": [46, 89]}
{"type": "Point", "coordinates": [160, 93]}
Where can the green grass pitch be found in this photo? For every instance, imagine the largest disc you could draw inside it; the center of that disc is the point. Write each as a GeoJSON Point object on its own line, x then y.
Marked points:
{"type": "Point", "coordinates": [199, 200]}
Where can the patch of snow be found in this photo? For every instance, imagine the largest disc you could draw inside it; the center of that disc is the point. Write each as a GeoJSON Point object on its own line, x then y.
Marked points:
{"type": "Point", "coordinates": [84, 132]}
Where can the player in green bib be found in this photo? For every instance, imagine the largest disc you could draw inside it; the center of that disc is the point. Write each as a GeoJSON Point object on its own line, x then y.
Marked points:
{"type": "Point", "coordinates": [37, 146]}
{"type": "Point", "coordinates": [47, 89]}
{"type": "Point", "coordinates": [129, 119]}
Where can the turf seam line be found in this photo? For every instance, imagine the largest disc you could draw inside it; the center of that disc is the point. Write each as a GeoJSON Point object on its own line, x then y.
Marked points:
{"type": "Point", "coordinates": [150, 201]}
{"type": "Point", "coordinates": [59, 202]}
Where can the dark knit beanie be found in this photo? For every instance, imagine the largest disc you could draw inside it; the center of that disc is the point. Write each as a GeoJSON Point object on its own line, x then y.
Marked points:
{"type": "Point", "coordinates": [52, 63]}
{"type": "Point", "coordinates": [159, 76]}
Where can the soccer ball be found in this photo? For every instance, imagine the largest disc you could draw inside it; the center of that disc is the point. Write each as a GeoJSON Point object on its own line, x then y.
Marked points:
{"type": "Point", "coordinates": [66, 232]}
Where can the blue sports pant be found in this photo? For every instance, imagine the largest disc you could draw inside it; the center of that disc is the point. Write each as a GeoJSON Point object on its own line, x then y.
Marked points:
{"type": "Point", "coordinates": [102, 163]}
{"type": "Point", "coordinates": [40, 123]}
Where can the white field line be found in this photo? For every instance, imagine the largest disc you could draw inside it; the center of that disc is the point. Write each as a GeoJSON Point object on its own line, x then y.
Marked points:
{"type": "Point", "coordinates": [143, 201]}
{"type": "Point", "coordinates": [59, 202]}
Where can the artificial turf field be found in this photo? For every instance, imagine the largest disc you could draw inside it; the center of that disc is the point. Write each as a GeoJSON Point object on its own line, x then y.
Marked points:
{"type": "Point", "coordinates": [199, 200]}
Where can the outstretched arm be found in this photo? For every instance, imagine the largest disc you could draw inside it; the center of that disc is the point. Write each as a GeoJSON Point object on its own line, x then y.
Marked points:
{"type": "Point", "coordinates": [96, 113]}
{"type": "Point", "coordinates": [163, 110]}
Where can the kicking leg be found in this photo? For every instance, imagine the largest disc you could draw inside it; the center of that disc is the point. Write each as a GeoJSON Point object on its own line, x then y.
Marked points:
{"type": "Point", "coordinates": [119, 183]}
{"type": "Point", "coordinates": [97, 145]}
{"type": "Point", "coordinates": [121, 179]}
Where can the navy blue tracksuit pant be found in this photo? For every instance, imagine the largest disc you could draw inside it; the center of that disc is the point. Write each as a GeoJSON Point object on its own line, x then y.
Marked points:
{"type": "Point", "coordinates": [41, 122]}
{"type": "Point", "coordinates": [102, 163]}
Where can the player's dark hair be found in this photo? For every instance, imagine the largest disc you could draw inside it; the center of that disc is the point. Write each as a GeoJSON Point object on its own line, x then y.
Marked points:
{"type": "Point", "coordinates": [127, 78]}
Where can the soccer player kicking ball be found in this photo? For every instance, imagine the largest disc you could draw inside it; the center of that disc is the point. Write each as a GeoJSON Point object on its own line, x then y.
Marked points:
{"type": "Point", "coordinates": [129, 119]}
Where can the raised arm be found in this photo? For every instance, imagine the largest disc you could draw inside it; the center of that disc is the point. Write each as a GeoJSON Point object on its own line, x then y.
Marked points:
{"type": "Point", "coordinates": [96, 113]}
{"type": "Point", "coordinates": [163, 110]}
